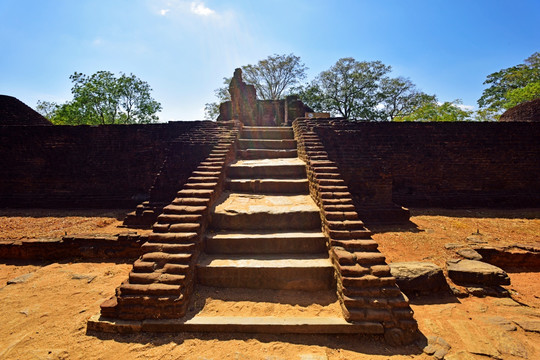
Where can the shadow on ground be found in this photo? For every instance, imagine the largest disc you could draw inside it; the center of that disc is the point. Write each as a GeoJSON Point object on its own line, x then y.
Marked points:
{"type": "Point", "coordinates": [362, 344]}
{"type": "Point", "coordinates": [503, 213]}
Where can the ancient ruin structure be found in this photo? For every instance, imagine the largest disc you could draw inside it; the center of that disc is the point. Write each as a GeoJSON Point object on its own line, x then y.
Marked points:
{"type": "Point", "coordinates": [527, 111]}
{"type": "Point", "coordinates": [245, 107]}
{"type": "Point", "coordinates": [15, 112]}
{"type": "Point", "coordinates": [248, 201]}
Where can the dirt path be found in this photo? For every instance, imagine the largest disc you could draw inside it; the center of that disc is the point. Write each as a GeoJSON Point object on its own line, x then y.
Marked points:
{"type": "Point", "coordinates": [44, 315]}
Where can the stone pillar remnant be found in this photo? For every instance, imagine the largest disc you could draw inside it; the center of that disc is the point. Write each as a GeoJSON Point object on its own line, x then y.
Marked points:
{"type": "Point", "coordinates": [243, 100]}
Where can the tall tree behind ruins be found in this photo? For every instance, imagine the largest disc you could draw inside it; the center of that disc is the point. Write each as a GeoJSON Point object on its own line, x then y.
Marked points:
{"type": "Point", "coordinates": [512, 86]}
{"type": "Point", "coordinates": [273, 78]}
{"type": "Point", "coordinates": [102, 98]}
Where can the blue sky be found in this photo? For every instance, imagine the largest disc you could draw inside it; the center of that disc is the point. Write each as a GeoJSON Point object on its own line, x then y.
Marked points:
{"type": "Point", "coordinates": [183, 49]}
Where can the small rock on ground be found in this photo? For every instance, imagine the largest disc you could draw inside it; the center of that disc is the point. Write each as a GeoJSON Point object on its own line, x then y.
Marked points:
{"type": "Point", "coordinates": [437, 346]}
{"type": "Point", "coordinates": [451, 246]}
{"type": "Point", "coordinates": [20, 279]}
{"type": "Point", "coordinates": [88, 278]}
{"type": "Point", "coordinates": [470, 254]}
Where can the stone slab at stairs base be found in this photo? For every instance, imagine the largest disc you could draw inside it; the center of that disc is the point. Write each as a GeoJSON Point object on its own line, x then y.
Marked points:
{"type": "Point", "coordinates": [217, 324]}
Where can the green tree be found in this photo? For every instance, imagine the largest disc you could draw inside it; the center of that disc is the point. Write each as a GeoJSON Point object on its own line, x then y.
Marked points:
{"type": "Point", "coordinates": [275, 75]}
{"type": "Point", "coordinates": [433, 111]}
{"type": "Point", "coordinates": [349, 88]}
{"type": "Point", "coordinates": [504, 82]}
{"type": "Point", "coordinates": [47, 108]}
{"type": "Point", "coordinates": [400, 97]}
{"type": "Point", "coordinates": [529, 92]}
{"type": "Point", "coordinates": [273, 78]}
{"type": "Point", "coordinates": [102, 98]}
{"type": "Point", "coordinates": [211, 110]}
{"type": "Point", "coordinates": [486, 114]}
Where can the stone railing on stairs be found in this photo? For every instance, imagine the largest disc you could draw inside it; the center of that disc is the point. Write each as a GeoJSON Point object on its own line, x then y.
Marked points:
{"type": "Point", "coordinates": [366, 289]}
{"type": "Point", "coordinates": [161, 281]}
{"type": "Point", "coordinates": [182, 156]}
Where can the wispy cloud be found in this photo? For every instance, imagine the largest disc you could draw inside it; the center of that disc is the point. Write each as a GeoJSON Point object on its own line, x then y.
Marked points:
{"type": "Point", "coordinates": [465, 107]}
{"type": "Point", "coordinates": [198, 8]}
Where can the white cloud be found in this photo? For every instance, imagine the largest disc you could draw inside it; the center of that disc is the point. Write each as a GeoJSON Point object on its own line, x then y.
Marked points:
{"type": "Point", "coordinates": [198, 8]}
{"type": "Point", "coordinates": [164, 12]}
{"type": "Point", "coordinates": [459, 105]}
{"type": "Point", "coordinates": [465, 107]}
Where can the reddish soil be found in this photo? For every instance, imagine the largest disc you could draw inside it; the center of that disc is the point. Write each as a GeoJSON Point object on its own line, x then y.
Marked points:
{"type": "Point", "coordinates": [44, 316]}
{"type": "Point", "coordinates": [423, 239]}
{"type": "Point", "coordinates": [17, 224]}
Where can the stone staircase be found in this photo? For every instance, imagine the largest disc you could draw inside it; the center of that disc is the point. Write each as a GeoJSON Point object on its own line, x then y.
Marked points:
{"type": "Point", "coordinates": [265, 237]}
{"type": "Point", "coordinates": [264, 246]}
{"type": "Point", "coordinates": [265, 230]}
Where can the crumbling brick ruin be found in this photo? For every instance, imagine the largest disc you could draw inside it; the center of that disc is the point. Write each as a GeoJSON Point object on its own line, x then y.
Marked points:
{"type": "Point", "coordinates": [184, 179]}
{"type": "Point", "coordinates": [527, 111]}
{"type": "Point", "coordinates": [15, 112]}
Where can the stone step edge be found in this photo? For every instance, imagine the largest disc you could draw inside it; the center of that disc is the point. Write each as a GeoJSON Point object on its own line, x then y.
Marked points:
{"type": "Point", "coordinates": [226, 235]}
{"type": "Point", "coordinates": [237, 324]}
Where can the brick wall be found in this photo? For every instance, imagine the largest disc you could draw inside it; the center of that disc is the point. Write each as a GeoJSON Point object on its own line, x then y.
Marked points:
{"type": "Point", "coordinates": [95, 166]}
{"type": "Point", "coordinates": [436, 164]}
{"type": "Point", "coordinates": [410, 164]}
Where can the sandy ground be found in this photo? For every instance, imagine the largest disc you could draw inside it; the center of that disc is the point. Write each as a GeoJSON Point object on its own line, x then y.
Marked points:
{"type": "Point", "coordinates": [44, 316]}
{"type": "Point", "coordinates": [17, 224]}
{"type": "Point", "coordinates": [423, 239]}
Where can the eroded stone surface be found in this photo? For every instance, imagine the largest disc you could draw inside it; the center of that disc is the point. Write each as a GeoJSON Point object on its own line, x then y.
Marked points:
{"type": "Point", "coordinates": [476, 272]}
{"type": "Point", "coordinates": [470, 254]}
{"type": "Point", "coordinates": [417, 276]}
{"type": "Point", "coordinates": [255, 211]}
{"type": "Point", "coordinates": [20, 279]}
{"type": "Point", "coordinates": [529, 325]}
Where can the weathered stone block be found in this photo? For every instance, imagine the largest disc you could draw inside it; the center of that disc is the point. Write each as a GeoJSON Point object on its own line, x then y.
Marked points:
{"type": "Point", "coordinates": [476, 272]}
{"type": "Point", "coordinates": [418, 277]}
{"type": "Point", "coordinates": [369, 258]}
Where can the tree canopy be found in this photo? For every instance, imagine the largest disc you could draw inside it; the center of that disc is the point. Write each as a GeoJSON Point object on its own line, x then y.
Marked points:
{"type": "Point", "coordinates": [349, 88]}
{"type": "Point", "coordinates": [434, 111]}
{"type": "Point", "coordinates": [362, 90]}
{"type": "Point", "coordinates": [399, 97]}
{"type": "Point", "coordinates": [511, 86]}
{"type": "Point", "coordinates": [211, 110]}
{"type": "Point", "coordinates": [273, 78]}
{"type": "Point", "coordinates": [102, 98]}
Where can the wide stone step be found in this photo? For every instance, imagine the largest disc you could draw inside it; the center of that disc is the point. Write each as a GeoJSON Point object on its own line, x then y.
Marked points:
{"type": "Point", "coordinates": [266, 242]}
{"type": "Point", "coordinates": [267, 153]}
{"type": "Point", "coordinates": [237, 211]}
{"type": "Point", "coordinates": [293, 272]}
{"type": "Point", "coordinates": [268, 168]}
{"type": "Point", "coordinates": [267, 132]}
{"type": "Point", "coordinates": [297, 186]}
{"type": "Point", "coordinates": [237, 324]}
{"type": "Point", "coordinates": [279, 144]}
